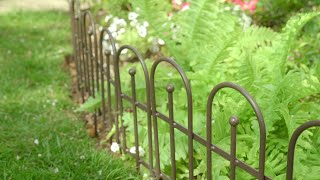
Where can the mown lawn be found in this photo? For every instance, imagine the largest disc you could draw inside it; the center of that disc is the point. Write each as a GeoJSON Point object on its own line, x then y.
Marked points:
{"type": "Point", "coordinates": [40, 136]}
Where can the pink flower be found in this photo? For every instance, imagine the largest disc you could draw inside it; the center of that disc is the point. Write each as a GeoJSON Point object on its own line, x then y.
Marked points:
{"type": "Point", "coordinates": [251, 5]}
{"type": "Point", "coordinates": [180, 5]}
{"type": "Point", "coordinates": [238, 2]}
{"type": "Point", "coordinates": [185, 6]}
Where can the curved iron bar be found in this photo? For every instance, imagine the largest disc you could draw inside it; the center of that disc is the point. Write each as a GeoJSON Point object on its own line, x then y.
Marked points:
{"type": "Point", "coordinates": [75, 26]}
{"type": "Point", "coordinates": [83, 57]}
{"type": "Point", "coordinates": [154, 112]}
{"type": "Point", "coordinates": [293, 142]}
{"type": "Point", "coordinates": [147, 84]}
{"type": "Point", "coordinates": [80, 56]}
{"type": "Point", "coordinates": [107, 54]}
{"type": "Point", "coordinates": [259, 116]}
{"type": "Point", "coordinates": [85, 52]}
{"type": "Point", "coordinates": [92, 58]}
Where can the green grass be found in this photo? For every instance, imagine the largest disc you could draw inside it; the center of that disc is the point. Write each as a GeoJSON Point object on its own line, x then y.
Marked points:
{"type": "Point", "coordinates": [35, 105]}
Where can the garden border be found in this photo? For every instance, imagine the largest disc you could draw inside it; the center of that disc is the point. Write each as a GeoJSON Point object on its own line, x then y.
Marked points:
{"type": "Point", "coordinates": [90, 57]}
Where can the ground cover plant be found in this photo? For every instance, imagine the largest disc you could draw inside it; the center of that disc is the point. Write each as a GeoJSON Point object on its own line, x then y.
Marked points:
{"type": "Point", "coordinates": [279, 67]}
{"type": "Point", "coordinates": [40, 136]}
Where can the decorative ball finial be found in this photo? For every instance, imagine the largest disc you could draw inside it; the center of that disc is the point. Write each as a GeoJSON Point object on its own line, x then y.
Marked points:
{"type": "Point", "coordinates": [107, 53]}
{"type": "Point", "coordinates": [170, 88]}
{"type": "Point", "coordinates": [234, 120]}
{"type": "Point", "coordinates": [132, 71]}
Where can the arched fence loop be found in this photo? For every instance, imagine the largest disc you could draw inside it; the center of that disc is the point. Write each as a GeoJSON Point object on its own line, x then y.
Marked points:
{"type": "Point", "coordinates": [98, 73]}
{"type": "Point", "coordinates": [91, 50]}
{"type": "Point", "coordinates": [135, 104]}
{"type": "Point", "coordinates": [91, 64]}
{"type": "Point", "coordinates": [292, 144]}
{"type": "Point", "coordinates": [173, 124]}
{"type": "Point", "coordinates": [107, 53]}
{"type": "Point", "coordinates": [75, 15]}
{"type": "Point", "coordinates": [234, 121]}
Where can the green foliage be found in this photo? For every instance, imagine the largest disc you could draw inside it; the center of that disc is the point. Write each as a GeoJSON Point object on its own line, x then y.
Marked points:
{"type": "Point", "coordinates": [275, 13]}
{"type": "Point", "coordinates": [91, 104]}
{"type": "Point", "coordinates": [212, 47]}
{"type": "Point", "coordinates": [118, 8]}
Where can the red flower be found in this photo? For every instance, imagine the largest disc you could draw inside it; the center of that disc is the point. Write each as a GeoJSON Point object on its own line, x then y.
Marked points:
{"type": "Point", "coordinates": [251, 5]}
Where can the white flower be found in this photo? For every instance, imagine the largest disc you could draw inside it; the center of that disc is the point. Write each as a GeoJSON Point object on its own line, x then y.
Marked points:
{"type": "Point", "coordinates": [145, 24]}
{"type": "Point", "coordinates": [170, 74]}
{"type": "Point", "coordinates": [107, 18]}
{"type": "Point", "coordinates": [114, 34]}
{"type": "Point", "coordinates": [133, 150]}
{"type": "Point", "coordinates": [161, 42]}
{"type": "Point", "coordinates": [56, 170]}
{"type": "Point", "coordinates": [112, 28]}
{"type": "Point", "coordinates": [132, 16]}
{"type": "Point", "coordinates": [121, 31]}
{"type": "Point", "coordinates": [142, 31]}
{"type": "Point", "coordinates": [100, 172]}
{"type": "Point", "coordinates": [145, 175]}
{"type": "Point", "coordinates": [39, 155]}
{"type": "Point", "coordinates": [121, 22]}
{"type": "Point", "coordinates": [82, 157]}
{"type": "Point", "coordinates": [114, 147]}
{"type": "Point", "coordinates": [36, 141]}
{"type": "Point", "coordinates": [18, 157]}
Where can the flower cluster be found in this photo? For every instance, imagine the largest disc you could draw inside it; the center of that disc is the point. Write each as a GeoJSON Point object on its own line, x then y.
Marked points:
{"type": "Point", "coordinates": [246, 5]}
{"type": "Point", "coordinates": [179, 5]}
{"type": "Point", "coordinates": [140, 27]}
{"type": "Point", "coordinates": [117, 27]}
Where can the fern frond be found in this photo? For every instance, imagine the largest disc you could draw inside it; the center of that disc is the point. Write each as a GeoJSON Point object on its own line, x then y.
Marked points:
{"type": "Point", "coordinates": [290, 33]}
{"type": "Point", "coordinates": [156, 13]}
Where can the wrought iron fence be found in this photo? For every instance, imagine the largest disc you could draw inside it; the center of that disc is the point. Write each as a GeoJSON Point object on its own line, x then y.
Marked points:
{"type": "Point", "coordinates": [90, 57]}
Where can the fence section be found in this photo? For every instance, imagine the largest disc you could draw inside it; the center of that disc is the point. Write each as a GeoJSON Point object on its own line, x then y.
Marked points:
{"type": "Point", "coordinates": [96, 66]}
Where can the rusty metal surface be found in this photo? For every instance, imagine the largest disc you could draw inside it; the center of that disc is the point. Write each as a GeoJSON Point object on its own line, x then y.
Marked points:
{"type": "Point", "coordinates": [98, 70]}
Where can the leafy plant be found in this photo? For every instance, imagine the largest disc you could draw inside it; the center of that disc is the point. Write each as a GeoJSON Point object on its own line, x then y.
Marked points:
{"type": "Point", "coordinates": [212, 46]}
{"type": "Point", "coordinates": [275, 13]}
